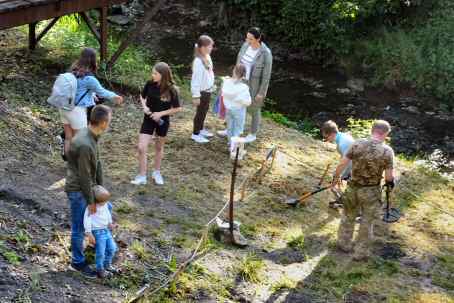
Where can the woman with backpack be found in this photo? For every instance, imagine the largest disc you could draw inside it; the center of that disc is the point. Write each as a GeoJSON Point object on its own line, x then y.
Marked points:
{"type": "Point", "coordinates": [88, 87]}
{"type": "Point", "coordinates": [258, 60]}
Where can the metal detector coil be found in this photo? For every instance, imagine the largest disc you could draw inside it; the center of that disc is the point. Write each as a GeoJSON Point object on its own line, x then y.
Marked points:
{"type": "Point", "coordinates": [391, 214]}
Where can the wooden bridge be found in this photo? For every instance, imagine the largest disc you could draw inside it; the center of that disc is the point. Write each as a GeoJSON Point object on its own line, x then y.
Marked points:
{"type": "Point", "coordinates": [21, 12]}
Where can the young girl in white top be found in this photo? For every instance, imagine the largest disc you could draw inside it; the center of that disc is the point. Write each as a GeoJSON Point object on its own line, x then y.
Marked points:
{"type": "Point", "coordinates": [202, 85]}
{"type": "Point", "coordinates": [236, 99]}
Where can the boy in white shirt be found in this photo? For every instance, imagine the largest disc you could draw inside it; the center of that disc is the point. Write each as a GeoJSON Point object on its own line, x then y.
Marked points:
{"type": "Point", "coordinates": [97, 228]}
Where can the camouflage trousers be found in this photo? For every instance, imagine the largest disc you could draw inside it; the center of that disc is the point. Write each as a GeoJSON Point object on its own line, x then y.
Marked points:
{"type": "Point", "coordinates": [364, 201]}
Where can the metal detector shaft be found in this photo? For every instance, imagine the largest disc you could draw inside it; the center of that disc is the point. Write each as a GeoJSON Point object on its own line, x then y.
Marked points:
{"type": "Point", "coordinates": [232, 191]}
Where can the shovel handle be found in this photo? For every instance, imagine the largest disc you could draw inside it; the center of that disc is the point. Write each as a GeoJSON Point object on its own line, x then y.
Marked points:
{"type": "Point", "coordinates": [309, 194]}
{"type": "Point", "coordinates": [324, 175]}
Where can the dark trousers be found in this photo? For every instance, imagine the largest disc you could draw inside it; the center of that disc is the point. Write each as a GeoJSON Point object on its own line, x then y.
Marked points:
{"type": "Point", "coordinates": [201, 113]}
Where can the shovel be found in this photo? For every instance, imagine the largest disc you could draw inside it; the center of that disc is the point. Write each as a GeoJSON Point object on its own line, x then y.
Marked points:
{"type": "Point", "coordinates": [293, 202]}
{"type": "Point", "coordinates": [391, 214]}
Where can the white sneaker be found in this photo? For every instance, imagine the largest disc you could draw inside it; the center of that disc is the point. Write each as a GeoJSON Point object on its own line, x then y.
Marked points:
{"type": "Point", "coordinates": [199, 138]}
{"type": "Point", "coordinates": [222, 133]}
{"type": "Point", "coordinates": [206, 133]}
{"type": "Point", "coordinates": [250, 138]}
{"type": "Point", "coordinates": [139, 180]}
{"type": "Point", "coordinates": [158, 178]}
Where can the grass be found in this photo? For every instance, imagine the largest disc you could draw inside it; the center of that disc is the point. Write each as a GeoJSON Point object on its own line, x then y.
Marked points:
{"type": "Point", "coordinates": [284, 283]}
{"type": "Point", "coordinates": [297, 242]}
{"type": "Point", "coordinates": [197, 185]}
{"type": "Point", "coordinates": [250, 268]}
{"type": "Point", "coordinates": [139, 250]}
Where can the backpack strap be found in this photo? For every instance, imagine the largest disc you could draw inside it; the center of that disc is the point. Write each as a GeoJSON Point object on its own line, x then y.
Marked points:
{"type": "Point", "coordinates": [80, 99]}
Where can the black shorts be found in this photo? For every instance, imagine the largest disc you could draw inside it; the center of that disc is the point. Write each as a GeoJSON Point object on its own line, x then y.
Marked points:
{"type": "Point", "coordinates": [150, 127]}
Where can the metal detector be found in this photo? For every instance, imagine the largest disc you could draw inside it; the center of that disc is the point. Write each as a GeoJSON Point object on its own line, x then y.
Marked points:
{"type": "Point", "coordinates": [391, 214]}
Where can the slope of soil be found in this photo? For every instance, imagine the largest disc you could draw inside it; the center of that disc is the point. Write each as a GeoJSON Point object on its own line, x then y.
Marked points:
{"type": "Point", "coordinates": [290, 257]}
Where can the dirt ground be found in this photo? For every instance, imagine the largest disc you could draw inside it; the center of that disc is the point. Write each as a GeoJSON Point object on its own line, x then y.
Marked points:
{"type": "Point", "coordinates": [290, 257]}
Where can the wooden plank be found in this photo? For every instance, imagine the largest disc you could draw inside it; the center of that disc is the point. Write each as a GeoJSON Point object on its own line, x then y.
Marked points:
{"type": "Point", "coordinates": [11, 5]}
{"type": "Point", "coordinates": [91, 25]}
{"type": "Point", "coordinates": [46, 29]}
{"type": "Point", "coordinates": [31, 11]}
{"type": "Point", "coordinates": [104, 33]}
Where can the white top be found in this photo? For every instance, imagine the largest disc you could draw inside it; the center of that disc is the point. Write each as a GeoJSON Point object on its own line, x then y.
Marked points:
{"type": "Point", "coordinates": [202, 77]}
{"type": "Point", "coordinates": [235, 94]}
{"type": "Point", "coordinates": [248, 60]}
{"type": "Point", "coordinates": [99, 220]}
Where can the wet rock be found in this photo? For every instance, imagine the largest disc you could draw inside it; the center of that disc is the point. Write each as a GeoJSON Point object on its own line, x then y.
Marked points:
{"type": "Point", "coordinates": [318, 94]}
{"type": "Point", "coordinates": [412, 109]}
{"type": "Point", "coordinates": [344, 91]}
{"type": "Point", "coordinates": [119, 19]}
{"type": "Point", "coordinates": [357, 85]}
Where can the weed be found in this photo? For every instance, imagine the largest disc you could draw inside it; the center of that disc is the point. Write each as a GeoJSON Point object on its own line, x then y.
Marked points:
{"type": "Point", "coordinates": [250, 268]}
{"type": "Point", "coordinates": [125, 207]}
{"type": "Point", "coordinates": [139, 250]}
{"type": "Point", "coordinates": [12, 257]}
{"type": "Point", "coordinates": [297, 242]}
{"type": "Point", "coordinates": [284, 283]}
{"type": "Point", "coordinates": [9, 255]}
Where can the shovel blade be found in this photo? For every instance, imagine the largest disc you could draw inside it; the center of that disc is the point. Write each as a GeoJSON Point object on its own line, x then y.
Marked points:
{"type": "Point", "coordinates": [292, 202]}
{"type": "Point", "coordinates": [391, 216]}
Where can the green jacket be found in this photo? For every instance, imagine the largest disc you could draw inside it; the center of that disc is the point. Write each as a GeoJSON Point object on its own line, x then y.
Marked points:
{"type": "Point", "coordinates": [259, 79]}
{"type": "Point", "coordinates": [84, 167]}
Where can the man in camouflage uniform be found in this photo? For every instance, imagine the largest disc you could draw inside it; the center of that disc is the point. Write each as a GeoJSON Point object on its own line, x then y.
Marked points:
{"type": "Point", "coordinates": [370, 157]}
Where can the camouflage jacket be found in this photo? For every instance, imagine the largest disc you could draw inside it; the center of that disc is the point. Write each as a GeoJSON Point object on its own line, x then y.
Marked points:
{"type": "Point", "coordinates": [369, 159]}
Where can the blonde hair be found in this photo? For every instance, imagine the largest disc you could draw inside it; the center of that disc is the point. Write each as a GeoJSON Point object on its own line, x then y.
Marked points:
{"type": "Point", "coordinates": [101, 194]}
{"type": "Point", "coordinates": [329, 127]}
{"type": "Point", "coordinates": [381, 126]}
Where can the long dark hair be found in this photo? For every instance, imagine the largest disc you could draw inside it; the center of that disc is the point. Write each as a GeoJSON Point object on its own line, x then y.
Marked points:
{"type": "Point", "coordinates": [86, 63]}
{"type": "Point", "coordinates": [257, 33]}
{"type": "Point", "coordinates": [167, 86]}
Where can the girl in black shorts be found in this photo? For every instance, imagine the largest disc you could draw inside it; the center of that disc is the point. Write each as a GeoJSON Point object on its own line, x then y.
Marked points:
{"type": "Point", "coordinates": [159, 100]}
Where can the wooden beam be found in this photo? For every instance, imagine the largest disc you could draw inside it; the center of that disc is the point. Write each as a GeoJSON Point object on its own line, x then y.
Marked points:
{"type": "Point", "coordinates": [32, 36]}
{"type": "Point", "coordinates": [149, 14]}
{"type": "Point", "coordinates": [104, 33]}
{"type": "Point", "coordinates": [91, 25]}
{"type": "Point", "coordinates": [37, 11]}
{"type": "Point", "coordinates": [48, 27]}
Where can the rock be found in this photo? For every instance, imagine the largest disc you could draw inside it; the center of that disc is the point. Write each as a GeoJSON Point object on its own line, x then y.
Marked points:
{"type": "Point", "coordinates": [412, 109]}
{"type": "Point", "coordinates": [318, 94]}
{"type": "Point", "coordinates": [343, 91]}
{"type": "Point", "coordinates": [204, 23]}
{"type": "Point", "coordinates": [119, 19]}
{"type": "Point", "coordinates": [357, 85]}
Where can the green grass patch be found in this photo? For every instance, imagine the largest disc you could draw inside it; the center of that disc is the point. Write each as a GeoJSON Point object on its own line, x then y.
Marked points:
{"type": "Point", "coordinates": [250, 268]}
{"type": "Point", "coordinates": [297, 242]}
{"type": "Point", "coordinates": [139, 250]}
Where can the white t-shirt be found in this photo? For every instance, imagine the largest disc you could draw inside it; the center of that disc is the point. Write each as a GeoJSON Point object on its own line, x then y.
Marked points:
{"type": "Point", "coordinates": [248, 60]}
{"type": "Point", "coordinates": [235, 94]}
{"type": "Point", "coordinates": [99, 220]}
{"type": "Point", "coordinates": [202, 77]}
